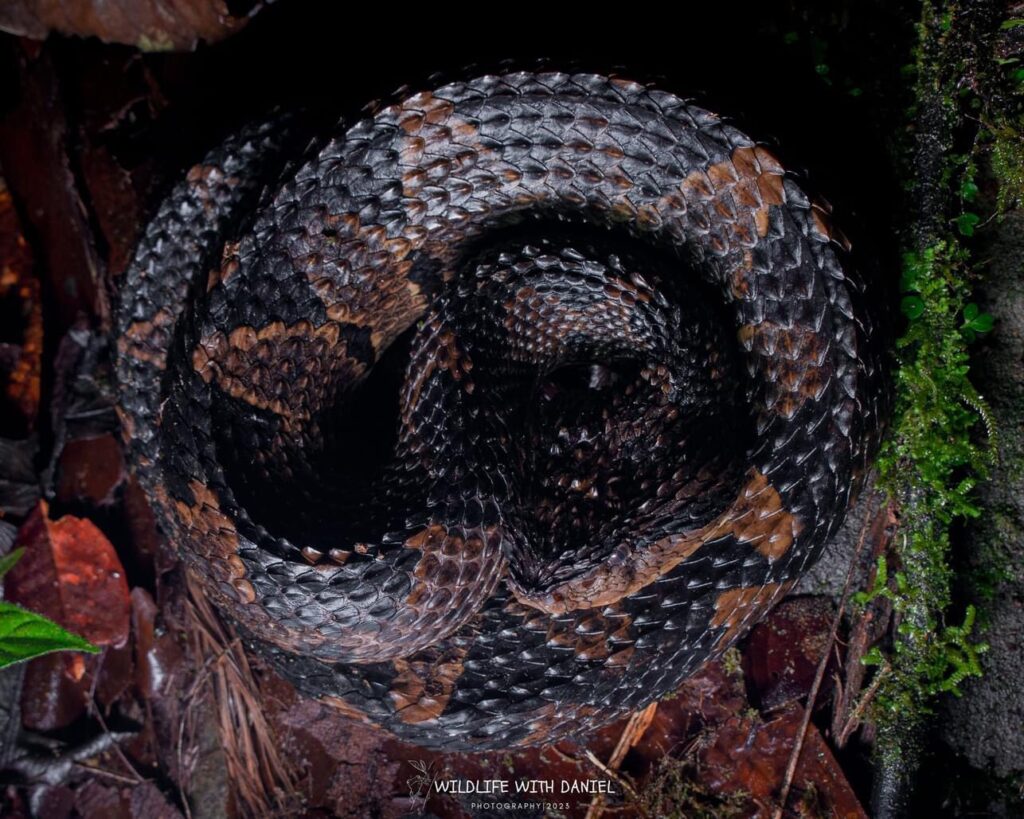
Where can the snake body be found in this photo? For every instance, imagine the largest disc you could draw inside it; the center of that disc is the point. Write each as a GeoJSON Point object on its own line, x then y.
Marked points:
{"type": "Point", "coordinates": [502, 410]}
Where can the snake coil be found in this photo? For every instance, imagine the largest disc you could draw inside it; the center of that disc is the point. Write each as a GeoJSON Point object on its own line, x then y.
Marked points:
{"type": "Point", "coordinates": [502, 410]}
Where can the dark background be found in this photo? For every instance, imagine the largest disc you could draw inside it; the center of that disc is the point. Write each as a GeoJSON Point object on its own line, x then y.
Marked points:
{"type": "Point", "coordinates": [822, 86]}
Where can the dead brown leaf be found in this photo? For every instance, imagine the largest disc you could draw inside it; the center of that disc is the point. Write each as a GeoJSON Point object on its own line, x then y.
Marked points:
{"type": "Point", "coordinates": [750, 755]}
{"type": "Point", "coordinates": [152, 25]}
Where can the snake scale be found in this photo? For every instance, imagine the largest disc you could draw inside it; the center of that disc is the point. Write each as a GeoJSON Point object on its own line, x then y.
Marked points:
{"type": "Point", "coordinates": [500, 411]}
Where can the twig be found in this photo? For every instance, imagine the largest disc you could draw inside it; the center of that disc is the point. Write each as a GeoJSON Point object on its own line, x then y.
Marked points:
{"type": "Point", "coordinates": [819, 675]}
{"type": "Point", "coordinates": [93, 769]}
{"type": "Point", "coordinates": [865, 631]}
{"type": "Point", "coordinates": [637, 726]}
{"type": "Point", "coordinates": [854, 719]}
{"type": "Point", "coordinates": [139, 778]}
{"type": "Point", "coordinates": [571, 760]}
{"type": "Point", "coordinates": [614, 775]}
{"type": "Point", "coordinates": [54, 769]}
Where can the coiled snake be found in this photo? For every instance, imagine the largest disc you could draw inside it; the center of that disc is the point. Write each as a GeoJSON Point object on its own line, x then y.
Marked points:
{"type": "Point", "coordinates": [504, 409]}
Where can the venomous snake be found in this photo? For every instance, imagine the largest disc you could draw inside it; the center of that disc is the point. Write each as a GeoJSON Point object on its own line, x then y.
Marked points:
{"type": "Point", "coordinates": [502, 410]}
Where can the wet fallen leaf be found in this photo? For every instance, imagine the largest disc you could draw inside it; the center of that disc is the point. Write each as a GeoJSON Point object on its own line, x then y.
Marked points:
{"type": "Point", "coordinates": [152, 25]}
{"type": "Point", "coordinates": [711, 696]}
{"type": "Point", "coordinates": [116, 205]}
{"type": "Point", "coordinates": [749, 755]}
{"type": "Point", "coordinates": [71, 574]}
{"type": "Point", "coordinates": [55, 692]}
{"type": "Point", "coordinates": [158, 657]}
{"type": "Point", "coordinates": [97, 801]}
{"type": "Point", "coordinates": [783, 652]}
{"type": "Point", "coordinates": [53, 801]}
{"type": "Point", "coordinates": [115, 676]}
{"type": "Point", "coordinates": [90, 469]}
{"type": "Point", "coordinates": [153, 556]}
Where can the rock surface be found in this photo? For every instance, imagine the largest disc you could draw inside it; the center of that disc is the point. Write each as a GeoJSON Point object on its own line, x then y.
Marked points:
{"type": "Point", "coordinates": [985, 725]}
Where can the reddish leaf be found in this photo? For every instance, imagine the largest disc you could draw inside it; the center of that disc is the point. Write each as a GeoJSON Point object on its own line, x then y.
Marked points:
{"type": "Point", "coordinates": [152, 25]}
{"type": "Point", "coordinates": [783, 652]}
{"type": "Point", "coordinates": [750, 755]}
{"type": "Point", "coordinates": [709, 697]}
{"type": "Point", "coordinates": [115, 676]}
{"type": "Point", "coordinates": [71, 574]}
{"type": "Point", "coordinates": [158, 657]}
{"type": "Point", "coordinates": [97, 801]}
{"type": "Point", "coordinates": [90, 469]}
{"type": "Point", "coordinates": [53, 696]}
{"type": "Point", "coordinates": [151, 553]}
{"type": "Point", "coordinates": [116, 205]}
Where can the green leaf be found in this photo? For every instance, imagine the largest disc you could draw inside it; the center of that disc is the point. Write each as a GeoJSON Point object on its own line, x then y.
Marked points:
{"type": "Point", "coordinates": [912, 307]}
{"type": "Point", "coordinates": [982, 323]}
{"type": "Point", "coordinates": [7, 561]}
{"type": "Point", "coordinates": [968, 190]}
{"type": "Point", "coordinates": [1013, 22]}
{"type": "Point", "coordinates": [966, 223]}
{"type": "Point", "coordinates": [25, 634]}
{"type": "Point", "coordinates": [975, 321]}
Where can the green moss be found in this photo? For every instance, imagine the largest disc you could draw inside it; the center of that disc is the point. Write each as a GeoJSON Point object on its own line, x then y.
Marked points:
{"type": "Point", "coordinates": [937, 406]}
{"type": "Point", "coordinates": [931, 462]}
{"type": "Point", "coordinates": [732, 662]}
{"type": "Point", "coordinates": [1004, 122]}
{"type": "Point", "coordinates": [941, 442]}
{"type": "Point", "coordinates": [1008, 166]}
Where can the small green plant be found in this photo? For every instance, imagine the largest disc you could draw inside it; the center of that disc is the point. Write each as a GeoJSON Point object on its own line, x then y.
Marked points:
{"type": "Point", "coordinates": [975, 322]}
{"type": "Point", "coordinates": [732, 662]}
{"type": "Point", "coordinates": [25, 634]}
{"type": "Point", "coordinates": [966, 223]}
{"type": "Point", "coordinates": [952, 658]}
